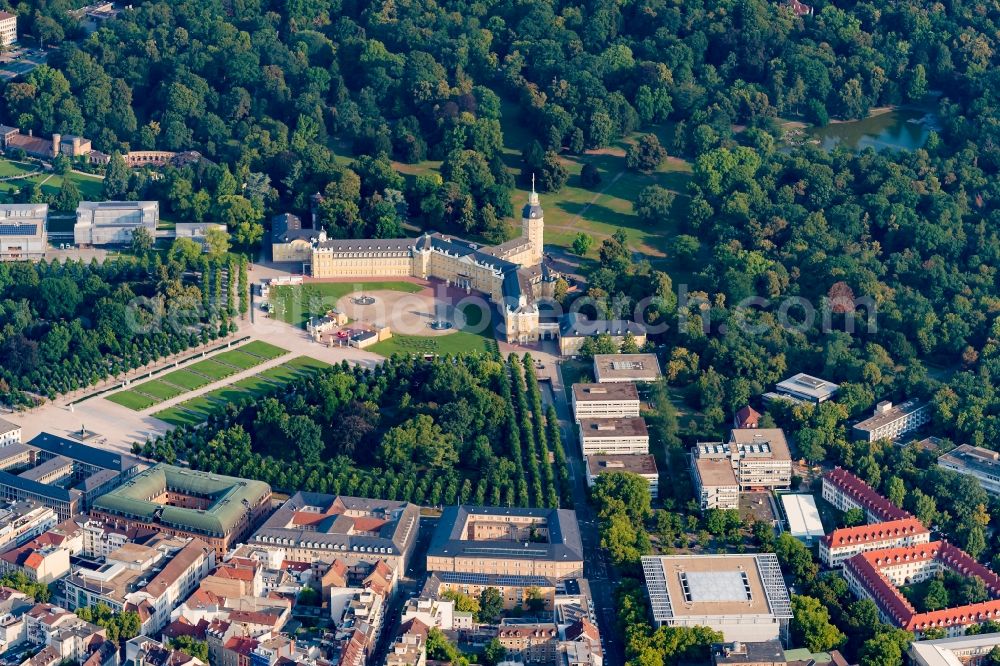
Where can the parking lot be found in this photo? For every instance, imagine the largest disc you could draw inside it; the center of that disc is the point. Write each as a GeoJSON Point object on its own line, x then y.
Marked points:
{"type": "Point", "coordinates": [20, 60]}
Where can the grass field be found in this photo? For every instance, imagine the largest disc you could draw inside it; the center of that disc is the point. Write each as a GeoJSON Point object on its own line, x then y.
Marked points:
{"type": "Point", "coordinates": [295, 304]}
{"type": "Point", "coordinates": [90, 186]}
{"type": "Point", "coordinates": [459, 342]}
{"type": "Point", "coordinates": [196, 375]}
{"type": "Point", "coordinates": [199, 408]}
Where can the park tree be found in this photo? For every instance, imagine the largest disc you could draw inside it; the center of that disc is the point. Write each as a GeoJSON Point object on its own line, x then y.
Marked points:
{"type": "Point", "coordinates": [811, 625]}
{"type": "Point", "coordinates": [582, 243]}
{"type": "Point", "coordinates": [590, 176]}
{"type": "Point", "coordinates": [116, 179]}
{"type": "Point", "coordinates": [645, 155]}
{"type": "Point", "coordinates": [654, 205]}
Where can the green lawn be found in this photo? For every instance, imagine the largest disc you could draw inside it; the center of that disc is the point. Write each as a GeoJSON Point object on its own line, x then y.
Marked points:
{"type": "Point", "coordinates": [10, 168]}
{"type": "Point", "coordinates": [91, 187]}
{"type": "Point", "coordinates": [132, 400]}
{"type": "Point", "coordinates": [201, 407]}
{"type": "Point", "coordinates": [459, 342]}
{"type": "Point", "coordinates": [294, 304]}
{"type": "Point", "coordinates": [262, 349]}
{"type": "Point", "coordinates": [196, 375]}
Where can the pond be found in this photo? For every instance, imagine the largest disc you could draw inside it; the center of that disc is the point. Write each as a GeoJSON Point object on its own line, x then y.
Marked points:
{"type": "Point", "coordinates": [895, 130]}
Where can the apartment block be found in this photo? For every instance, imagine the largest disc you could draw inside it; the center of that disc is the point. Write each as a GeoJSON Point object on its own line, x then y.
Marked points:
{"type": "Point", "coordinates": [977, 462]}
{"type": "Point", "coordinates": [8, 28]}
{"type": "Point", "coordinates": [613, 436]}
{"type": "Point", "coordinates": [845, 492]}
{"type": "Point", "coordinates": [892, 421]}
{"type": "Point", "coordinates": [605, 401]}
{"type": "Point", "coordinates": [843, 544]}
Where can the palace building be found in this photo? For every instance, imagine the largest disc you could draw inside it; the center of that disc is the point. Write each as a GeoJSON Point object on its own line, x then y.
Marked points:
{"type": "Point", "coordinates": [512, 274]}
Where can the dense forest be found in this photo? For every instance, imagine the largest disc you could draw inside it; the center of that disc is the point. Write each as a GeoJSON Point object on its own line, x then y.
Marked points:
{"type": "Point", "coordinates": [64, 326]}
{"type": "Point", "coordinates": [468, 429]}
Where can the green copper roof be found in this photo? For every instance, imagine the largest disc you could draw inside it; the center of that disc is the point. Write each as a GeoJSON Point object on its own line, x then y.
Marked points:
{"type": "Point", "coordinates": [230, 499]}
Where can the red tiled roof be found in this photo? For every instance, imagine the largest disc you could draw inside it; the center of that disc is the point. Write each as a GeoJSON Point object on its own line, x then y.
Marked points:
{"type": "Point", "coordinates": [867, 568]}
{"type": "Point", "coordinates": [748, 416]}
{"type": "Point", "coordinates": [307, 518]}
{"type": "Point", "coordinates": [864, 495]}
{"type": "Point", "coordinates": [893, 529]}
{"type": "Point", "coordinates": [368, 524]}
{"type": "Point", "coordinates": [582, 627]}
{"type": "Point", "coordinates": [182, 627]}
{"type": "Point", "coordinates": [241, 645]}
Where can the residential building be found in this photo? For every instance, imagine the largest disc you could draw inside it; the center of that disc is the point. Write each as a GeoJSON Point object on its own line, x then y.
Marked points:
{"type": "Point", "coordinates": [806, 388]}
{"type": "Point", "coordinates": [613, 436]}
{"type": "Point", "coordinates": [892, 421]}
{"type": "Point", "coordinates": [529, 642]}
{"type": "Point", "coordinates": [643, 465]}
{"type": "Point", "coordinates": [38, 559]}
{"type": "Point", "coordinates": [843, 544]}
{"type": "Point", "coordinates": [8, 28]}
{"type": "Point", "coordinates": [616, 368]}
{"type": "Point", "coordinates": [23, 235]}
{"type": "Point", "coordinates": [877, 575]}
{"type": "Point", "coordinates": [748, 653]}
{"type": "Point", "coordinates": [747, 417]}
{"type": "Point", "coordinates": [312, 526]}
{"type": "Point", "coordinates": [977, 462]}
{"type": "Point", "coordinates": [114, 222]}
{"type": "Point", "coordinates": [753, 459]}
{"type": "Point", "coordinates": [742, 596]}
{"type": "Point", "coordinates": [410, 647]}
{"type": "Point", "coordinates": [61, 473]}
{"type": "Point", "coordinates": [802, 517]}
{"type": "Point", "coordinates": [220, 510]}
{"type": "Point", "coordinates": [101, 538]}
{"type": "Point", "coordinates": [69, 145]}
{"type": "Point", "coordinates": [10, 433]}
{"type": "Point", "coordinates": [13, 607]}
{"type": "Point", "coordinates": [379, 578]}
{"type": "Point", "coordinates": [575, 329]}
{"type": "Point", "coordinates": [845, 492]}
{"type": "Point", "coordinates": [580, 645]}
{"type": "Point", "coordinates": [430, 610]}
{"type": "Point", "coordinates": [144, 651]}
{"type": "Point", "coordinates": [23, 521]}
{"type": "Point", "coordinates": [151, 580]}
{"type": "Point", "coordinates": [507, 541]}
{"type": "Point", "coordinates": [605, 401]}
{"type": "Point", "coordinates": [973, 650]}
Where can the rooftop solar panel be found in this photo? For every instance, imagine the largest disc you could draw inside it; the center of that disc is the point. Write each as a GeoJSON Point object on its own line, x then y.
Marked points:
{"type": "Point", "coordinates": [18, 229]}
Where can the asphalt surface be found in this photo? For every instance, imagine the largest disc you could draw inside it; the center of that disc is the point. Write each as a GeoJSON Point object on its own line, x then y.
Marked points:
{"type": "Point", "coordinates": [597, 569]}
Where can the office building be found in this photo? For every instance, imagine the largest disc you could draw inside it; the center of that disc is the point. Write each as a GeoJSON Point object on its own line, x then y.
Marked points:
{"type": "Point", "coordinates": [742, 596]}
{"type": "Point", "coordinates": [892, 421]}
{"type": "Point", "coordinates": [802, 517]}
{"type": "Point", "coordinates": [23, 521]}
{"type": "Point", "coordinates": [977, 462]}
{"type": "Point", "coordinates": [642, 464]}
{"type": "Point", "coordinates": [61, 473]}
{"type": "Point", "coordinates": [878, 574]}
{"type": "Point", "coordinates": [22, 231]}
{"type": "Point", "coordinates": [971, 650]}
{"type": "Point", "coordinates": [507, 541]}
{"type": "Point", "coordinates": [220, 510]}
{"type": "Point", "coordinates": [113, 222]}
{"type": "Point", "coordinates": [10, 433]}
{"type": "Point", "coordinates": [8, 28]}
{"type": "Point", "coordinates": [613, 436]}
{"type": "Point", "coordinates": [752, 459]}
{"type": "Point", "coordinates": [312, 526]}
{"type": "Point", "coordinates": [614, 368]}
{"type": "Point", "coordinates": [806, 388]}
{"type": "Point", "coordinates": [845, 492]}
{"type": "Point", "coordinates": [605, 401]}
{"type": "Point", "coordinates": [843, 544]}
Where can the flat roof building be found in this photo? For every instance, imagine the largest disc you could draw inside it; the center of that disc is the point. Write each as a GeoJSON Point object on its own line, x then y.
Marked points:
{"type": "Point", "coordinates": [605, 401]}
{"type": "Point", "coordinates": [60, 473]}
{"type": "Point", "coordinates": [641, 464]}
{"type": "Point", "coordinates": [113, 222]}
{"type": "Point", "coordinates": [8, 28]}
{"type": "Point", "coordinates": [575, 329]}
{"type": "Point", "coordinates": [958, 651]}
{"type": "Point", "coordinates": [613, 436]}
{"type": "Point", "coordinates": [610, 368]}
{"type": "Point", "coordinates": [752, 459]}
{"type": "Point", "coordinates": [743, 653]}
{"type": "Point", "coordinates": [802, 517]}
{"type": "Point", "coordinates": [977, 462]}
{"type": "Point", "coordinates": [807, 388]}
{"type": "Point", "coordinates": [742, 596]}
{"type": "Point", "coordinates": [311, 526]}
{"type": "Point", "coordinates": [22, 230]}
{"type": "Point", "coordinates": [220, 510]}
{"type": "Point", "coordinates": [892, 421]}
{"type": "Point", "coordinates": [507, 541]}
{"type": "Point", "coordinates": [843, 544]}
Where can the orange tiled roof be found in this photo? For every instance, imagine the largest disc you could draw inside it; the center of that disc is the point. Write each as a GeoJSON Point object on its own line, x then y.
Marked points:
{"type": "Point", "coordinates": [893, 529]}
